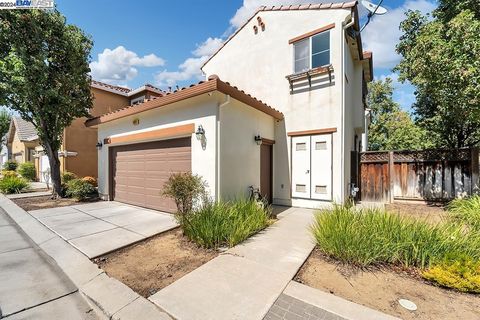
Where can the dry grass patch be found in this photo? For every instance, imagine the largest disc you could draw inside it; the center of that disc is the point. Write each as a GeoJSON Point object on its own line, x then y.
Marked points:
{"type": "Point", "coordinates": [153, 264]}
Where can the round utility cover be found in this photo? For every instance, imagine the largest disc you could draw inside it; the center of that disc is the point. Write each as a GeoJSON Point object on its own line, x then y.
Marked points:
{"type": "Point", "coordinates": [407, 304]}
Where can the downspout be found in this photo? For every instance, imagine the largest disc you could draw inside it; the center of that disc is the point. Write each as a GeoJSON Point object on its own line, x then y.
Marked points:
{"type": "Point", "coordinates": [345, 26]}
{"type": "Point", "coordinates": [217, 149]}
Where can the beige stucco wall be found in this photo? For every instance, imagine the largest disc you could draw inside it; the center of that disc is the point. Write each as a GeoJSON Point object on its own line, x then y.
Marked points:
{"type": "Point", "coordinates": [234, 146]}
{"type": "Point", "coordinates": [201, 110]}
{"type": "Point", "coordinates": [259, 63]}
{"type": "Point", "coordinates": [80, 139]}
{"type": "Point", "coordinates": [21, 147]}
{"type": "Point", "coordinates": [239, 153]}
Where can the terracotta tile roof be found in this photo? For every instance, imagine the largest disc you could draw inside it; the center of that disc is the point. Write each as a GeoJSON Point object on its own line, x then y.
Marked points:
{"type": "Point", "coordinates": [318, 6]}
{"type": "Point", "coordinates": [111, 87]}
{"type": "Point", "coordinates": [212, 84]}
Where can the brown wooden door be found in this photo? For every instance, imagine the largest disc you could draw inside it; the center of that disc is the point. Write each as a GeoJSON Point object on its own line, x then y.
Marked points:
{"type": "Point", "coordinates": [266, 171]}
{"type": "Point", "coordinates": [139, 171]}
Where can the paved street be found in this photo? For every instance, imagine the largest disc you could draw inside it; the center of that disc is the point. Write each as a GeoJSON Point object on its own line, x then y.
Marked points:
{"type": "Point", "coordinates": [100, 227]}
{"type": "Point", "coordinates": [31, 285]}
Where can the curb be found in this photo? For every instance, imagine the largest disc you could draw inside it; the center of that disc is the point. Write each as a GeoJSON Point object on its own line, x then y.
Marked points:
{"type": "Point", "coordinates": [335, 305]}
{"type": "Point", "coordinates": [108, 296]}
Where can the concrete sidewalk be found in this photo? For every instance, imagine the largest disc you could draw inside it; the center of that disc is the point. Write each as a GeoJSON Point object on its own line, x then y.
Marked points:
{"type": "Point", "coordinates": [245, 281]}
{"type": "Point", "coordinates": [32, 285]}
{"type": "Point", "coordinates": [107, 296]}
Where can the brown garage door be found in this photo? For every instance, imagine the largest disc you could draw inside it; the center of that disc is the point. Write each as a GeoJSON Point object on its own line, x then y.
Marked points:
{"type": "Point", "coordinates": [140, 170]}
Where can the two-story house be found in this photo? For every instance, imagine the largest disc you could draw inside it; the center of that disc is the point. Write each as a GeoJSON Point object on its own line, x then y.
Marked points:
{"type": "Point", "coordinates": [305, 67]}
{"type": "Point", "coordinates": [78, 152]}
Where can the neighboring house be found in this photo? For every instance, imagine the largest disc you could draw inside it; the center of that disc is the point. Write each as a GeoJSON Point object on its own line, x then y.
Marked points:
{"type": "Point", "coordinates": [22, 139]}
{"type": "Point", "coordinates": [78, 152]}
{"type": "Point", "coordinates": [307, 62]}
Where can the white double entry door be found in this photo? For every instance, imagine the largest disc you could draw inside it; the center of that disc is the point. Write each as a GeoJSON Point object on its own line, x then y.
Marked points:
{"type": "Point", "coordinates": [312, 167]}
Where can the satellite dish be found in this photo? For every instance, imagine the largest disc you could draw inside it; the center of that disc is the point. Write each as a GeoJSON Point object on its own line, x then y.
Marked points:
{"type": "Point", "coordinates": [373, 9]}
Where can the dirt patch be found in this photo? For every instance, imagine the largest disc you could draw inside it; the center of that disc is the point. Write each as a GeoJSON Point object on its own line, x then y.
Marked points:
{"type": "Point", "coordinates": [45, 202]}
{"type": "Point", "coordinates": [381, 289]}
{"type": "Point", "coordinates": [434, 212]}
{"type": "Point", "coordinates": [153, 264]}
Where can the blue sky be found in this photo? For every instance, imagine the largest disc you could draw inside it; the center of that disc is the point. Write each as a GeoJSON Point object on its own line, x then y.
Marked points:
{"type": "Point", "coordinates": [165, 43]}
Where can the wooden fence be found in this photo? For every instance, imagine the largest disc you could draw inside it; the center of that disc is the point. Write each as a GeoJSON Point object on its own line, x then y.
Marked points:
{"type": "Point", "coordinates": [432, 175]}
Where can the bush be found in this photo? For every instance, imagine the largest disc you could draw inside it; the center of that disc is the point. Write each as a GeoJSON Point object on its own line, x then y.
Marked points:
{"type": "Point", "coordinates": [466, 210]}
{"type": "Point", "coordinates": [10, 165]}
{"type": "Point", "coordinates": [66, 176]}
{"type": "Point", "coordinates": [458, 271]}
{"type": "Point", "coordinates": [186, 189]}
{"type": "Point", "coordinates": [369, 237]}
{"type": "Point", "coordinates": [225, 223]}
{"type": "Point", "coordinates": [79, 189]}
{"type": "Point", "coordinates": [12, 184]}
{"type": "Point", "coordinates": [9, 173]}
{"type": "Point", "coordinates": [27, 170]}
{"type": "Point", "coordinates": [90, 180]}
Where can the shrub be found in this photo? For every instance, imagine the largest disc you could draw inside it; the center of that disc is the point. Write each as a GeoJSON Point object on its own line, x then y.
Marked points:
{"type": "Point", "coordinates": [367, 237]}
{"type": "Point", "coordinates": [27, 170]}
{"type": "Point", "coordinates": [457, 271]}
{"type": "Point", "coordinates": [79, 189]}
{"type": "Point", "coordinates": [90, 180]}
{"type": "Point", "coordinates": [67, 176]}
{"type": "Point", "coordinates": [186, 189]}
{"type": "Point", "coordinates": [466, 210]}
{"type": "Point", "coordinates": [225, 223]}
{"type": "Point", "coordinates": [10, 165]}
{"type": "Point", "coordinates": [12, 184]}
{"type": "Point", "coordinates": [9, 173]}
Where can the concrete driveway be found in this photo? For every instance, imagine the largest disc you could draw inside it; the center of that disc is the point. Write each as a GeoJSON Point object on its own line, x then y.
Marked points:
{"type": "Point", "coordinates": [101, 227]}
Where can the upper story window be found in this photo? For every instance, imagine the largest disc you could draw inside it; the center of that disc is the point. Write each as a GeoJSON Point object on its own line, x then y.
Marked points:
{"type": "Point", "coordinates": [312, 52]}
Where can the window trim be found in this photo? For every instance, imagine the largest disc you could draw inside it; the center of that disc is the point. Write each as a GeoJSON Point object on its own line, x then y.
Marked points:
{"type": "Point", "coordinates": [311, 33]}
{"type": "Point", "coordinates": [308, 37]}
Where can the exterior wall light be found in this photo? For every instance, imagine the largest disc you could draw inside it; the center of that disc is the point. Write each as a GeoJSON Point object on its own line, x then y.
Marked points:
{"type": "Point", "coordinates": [99, 145]}
{"type": "Point", "coordinates": [258, 139]}
{"type": "Point", "coordinates": [200, 133]}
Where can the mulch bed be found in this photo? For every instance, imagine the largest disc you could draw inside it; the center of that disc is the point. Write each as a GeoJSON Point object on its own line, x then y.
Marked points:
{"type": "Point", "coordinates": [45, 202]}
{"type": "Point", "coordinates": [153, 264]}
{"type": "Point", "coordinates": [380, 289]}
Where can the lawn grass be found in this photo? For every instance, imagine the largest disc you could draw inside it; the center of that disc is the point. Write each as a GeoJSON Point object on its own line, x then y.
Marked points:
{"type": "Point", "coordinates": [222, 223]}
{"type": "Point", "coordinates": [374, 237]}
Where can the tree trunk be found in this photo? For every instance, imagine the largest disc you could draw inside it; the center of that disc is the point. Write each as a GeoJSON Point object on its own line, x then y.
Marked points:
{"type": "Point", "coordinates": [54, 169]}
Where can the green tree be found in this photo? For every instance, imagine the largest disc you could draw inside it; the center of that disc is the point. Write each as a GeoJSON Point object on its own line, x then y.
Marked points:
{"type": "Point", "coordinates": [441, 58]}
{"type": "Point", "coordinates": [44, 75]}
{"type": "Point", "coordinates": [5, 118]}
{"type": "Point", "coordinates": [390, 127]}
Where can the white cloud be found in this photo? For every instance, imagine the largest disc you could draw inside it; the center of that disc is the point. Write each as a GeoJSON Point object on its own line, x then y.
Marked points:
{"type": "Point", "coordinates": [383, 33]}
{"type": "Point", "coordinates": [190, 68]}
{"type": "Point", "coordinates": [119, 65]}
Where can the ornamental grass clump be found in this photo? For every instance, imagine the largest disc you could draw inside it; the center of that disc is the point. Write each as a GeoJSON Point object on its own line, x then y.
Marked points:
{"type": "Point", "coordinates": [466, 210]}
{"type": "Point", "coordinates": [375, 237]}
{"type": "Point", "coordinates": [217, 224]}
{"type": "Point", "coordinates": [13, 184]}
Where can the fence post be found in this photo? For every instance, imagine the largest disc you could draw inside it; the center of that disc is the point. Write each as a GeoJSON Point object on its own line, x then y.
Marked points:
{"type": "Point", "coordinates": [391, 176]}
{"type": "Point", "coordinates": [474, 161]}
